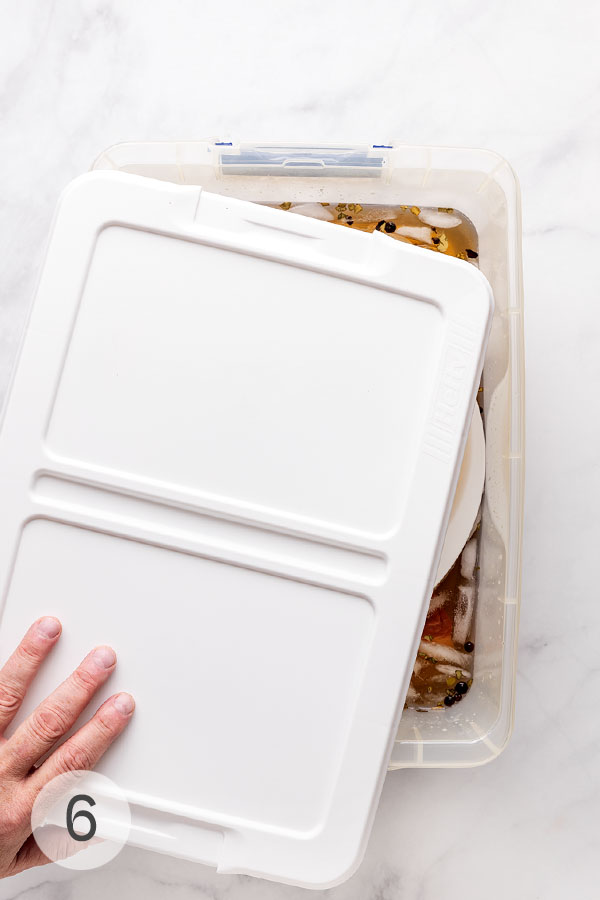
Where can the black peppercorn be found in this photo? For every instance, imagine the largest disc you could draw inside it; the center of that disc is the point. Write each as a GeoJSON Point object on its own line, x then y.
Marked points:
{"type": "Point", "coordinates": [461, 687]}
{"type": "Point", "coordinates": [379, 225]}
{"type": "Point", "coordinates": [389, 227]}
{"type": "Point", "coordinates": [448, 701]}
{"type": "Point", "coordinates": [469, 647]}
{"type": "Point", "coordinates": [457, 697]}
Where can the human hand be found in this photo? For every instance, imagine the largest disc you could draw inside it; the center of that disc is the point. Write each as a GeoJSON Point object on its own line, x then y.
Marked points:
{"type": "Point", "coordinates": [20, 779]}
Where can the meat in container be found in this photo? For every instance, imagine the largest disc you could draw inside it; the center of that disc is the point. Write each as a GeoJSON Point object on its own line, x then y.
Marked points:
{"type": "Point", "coordinates": [479, 191]}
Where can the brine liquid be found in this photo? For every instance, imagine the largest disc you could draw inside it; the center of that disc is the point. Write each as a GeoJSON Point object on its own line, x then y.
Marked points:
{"type": "Point", "coordinates": [442, 661]}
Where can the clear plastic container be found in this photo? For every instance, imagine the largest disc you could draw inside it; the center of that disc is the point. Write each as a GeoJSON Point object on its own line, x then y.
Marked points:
{"type": "Point", "coordinates": [483, 187]}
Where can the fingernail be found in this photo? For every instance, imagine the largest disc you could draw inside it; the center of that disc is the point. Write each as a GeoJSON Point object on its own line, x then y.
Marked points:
{"type": "Point", "coordinates": [124, 703]}
{"type": "Point", "coordinates": [48, 627]}
{"type": "Point", "coordinates": [105, 657]}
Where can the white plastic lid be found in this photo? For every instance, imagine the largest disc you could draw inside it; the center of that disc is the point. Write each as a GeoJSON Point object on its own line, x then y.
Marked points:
{"type": "Point", "coordinates": [230, 451]}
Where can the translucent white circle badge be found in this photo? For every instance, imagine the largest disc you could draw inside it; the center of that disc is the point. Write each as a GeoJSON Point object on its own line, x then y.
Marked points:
{"type": "Point", "coordinates": [81, 820]}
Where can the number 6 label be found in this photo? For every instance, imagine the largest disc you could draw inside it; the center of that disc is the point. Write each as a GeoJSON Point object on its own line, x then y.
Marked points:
{"type": "Point", "coordinates": [81, 820]}
{"type": "Point", "coordinates": [82, 813]}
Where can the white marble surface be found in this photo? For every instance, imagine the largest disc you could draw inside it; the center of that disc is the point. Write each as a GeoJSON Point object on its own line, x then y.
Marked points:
{"type": "Point", "coordinates": [522, 78]}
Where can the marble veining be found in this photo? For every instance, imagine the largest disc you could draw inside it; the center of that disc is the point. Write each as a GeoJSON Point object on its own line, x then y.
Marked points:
{"type": "Point", "coordinates": [516, 77]}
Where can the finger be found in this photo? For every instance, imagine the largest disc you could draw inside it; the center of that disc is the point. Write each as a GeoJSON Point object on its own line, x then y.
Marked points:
{"type": "Point", "coordinates": [83, 749]}
{"type": "Point", "coordinates": [19, 671]}
{"type": "Point", "coordinates": [58, 713]}
{"type": "Point", "coordinates": [57, 842]}
{"type": "Point", "coordinates": [28, 857]}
